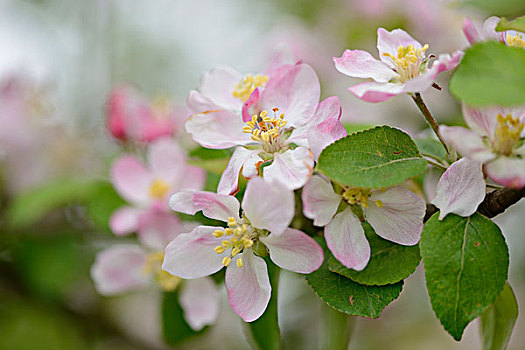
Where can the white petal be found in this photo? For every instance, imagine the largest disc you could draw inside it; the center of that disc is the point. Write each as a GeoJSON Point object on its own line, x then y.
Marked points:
{"type": "Point", "coordinates": [248, 287]}
{"type": "Point", "coordinates": [507, 171]}
{"type": "Point", "coordinates": [213, 205]}
{"type": "Point", "coordinates": [291, 168]}
{"type": "Point", "coordinates": [229, 183]}
{"type": "Point", "coordinates": [466, 142]}
{"type": "Point", "coordinates": [218, 86]}
{"type": "Point", "coordinates": [294, 250]}
{"type": "Point", "coordinates": [400, 219]}
{"type": "Point", "coordinates": [323, 134]}
{"type": "Point", "coordinates": [461, 189]}
{"type": "Point", "coordinates": [125, 220]}
{"type": "Point", "coordinates": [320, 202]}
{"type": "Point", "coordinates": [157, 228]}
{"type": "Point", "coordinates": [199, 299]}
{"type": "Point", "coordinates": [345, 237]}
{"type": "Point", "coordinates": [269, 206]}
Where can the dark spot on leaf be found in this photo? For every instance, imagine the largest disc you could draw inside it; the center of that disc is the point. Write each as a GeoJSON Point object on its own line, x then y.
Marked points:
{"type": "Point", "coordinates": [379, 152]}
{"type": "Point", "coordinates": [398, 152]}
{"type": "Point", "coordinates": [477, 244]}
{"type": "Point", "coordinates": [351, 299]}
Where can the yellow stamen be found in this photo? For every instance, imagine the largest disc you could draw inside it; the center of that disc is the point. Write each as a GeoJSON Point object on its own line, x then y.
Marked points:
{"type": "Point", "coordinates": [408, 61]}
{"type": "Point", "coordinates": [226, 261]}
{"type": "Point", "coordinates": [153, 266]}
{"type": "Point", "coordinates": [516, 41]}
{"type": "Point", "coordinates": [379, 203]}
{"type": "Point", "coordinates": [219, 249]}
{"type": "Point", "coordinates": [239, 262]}
{"type": "Point", "coordinates": [245, 87]}
{"type": "Point", "coordinates": [357, 195]}
{"type": "Point", "coordinates": [232, 221]}
{"type": "Point", "coordinates": [158, 189]}
{"type": "Point", "coordinates": [507, 134]}
{"type": "Point", "coordinates": [217, 233]}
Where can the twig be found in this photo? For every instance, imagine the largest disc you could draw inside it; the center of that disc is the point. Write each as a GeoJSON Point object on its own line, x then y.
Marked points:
{"type": "Point", "coordinates": [428, 116]}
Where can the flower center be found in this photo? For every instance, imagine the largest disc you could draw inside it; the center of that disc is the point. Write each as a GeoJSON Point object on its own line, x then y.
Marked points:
{"type": "Point", "coordinates": [158, 189]}
{"type": "Point", "coordinates": [237, 237]}
{"type": "Point", "coordinates": [245, 87]}
{"type": "Point", "coordinates": [507, 134]}
{"type": "Point", "coordinates": [359, 196]}
{"type": "Point", "coordinates": [153, 266]}
{"type": "Point", "coordinates": [408, 61]}
{"type": "Point", "coordinates": [516, 40]}
{"type": "Point", "coordinates": [266, 130]}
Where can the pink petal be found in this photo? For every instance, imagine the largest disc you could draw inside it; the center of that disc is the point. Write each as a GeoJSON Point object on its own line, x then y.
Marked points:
{"type": "Point", "coordinates": [213, 205]}
{"type": "Point", "coordinates": [425, 80]}
{"type": "Point", "coordinates": [120, 269]}
{"type": "Point", "coordinates": [470, 31]}
{"type": "Point", "coordinates": [388, 42]}
{"type": "Point", "coordinates": [295, 90]}
{"type": "Point", "coordinates": [361, 64]}
{"type": "Point", "coordinates": [482, 121]}
{"type": "Point", "coordinates": [157, 228]}
{"type": "Point", "coordinates": [294, 250]}
{"type": "Point", "coordinates": [269, 206]}
{"type": "Point", "coordinates": [345, 237]}
{"type": "Point", "coordinates": [507, 171]}
{"type": "Point", "coordinates": [217, 129]}
{"type": "Point", "coordinates": [376, 92]}
{"type": "Point", "coordinates": [200, 301]}
{"type": "Point", "coordinates": [192, 255]}
{"type": "Point", "coordinates": [489, 30]}
{"type": "Point", "coordinates": [461, 189]}
{"type": "Point", "coordinates": [320, 203]}
{"type": "Point", "coordinates": [291, 168]}
{"type": "Point", "coordinates": [250, 106]}
{"type": "Point", "coordinates": [400, 219]}
{"type": "Point", "coordinates": [125, 220]}
{"type": "Point", "coordinates": [197, 103]}
{"type": "Point", "coordinates": [167, 160]}
{"type": "Point", "coordinates": [218, 86]}
{"type": "Point", "coordinates": [466, 142]}
{"type": "Point", "coordinates": [248, 287]}
{"type": "Point", "coordinates": [194, 178]}
{"type": "Point", "coordinates": [132, 180]}
{"type": "Point", "coordinates": [323, 134]}
{"type": "Point", "coordinates": [229, 182]}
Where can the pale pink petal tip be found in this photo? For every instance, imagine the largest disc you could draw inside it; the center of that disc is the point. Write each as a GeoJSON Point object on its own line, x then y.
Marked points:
{"type": "Point", "coordinates": [200, 301]}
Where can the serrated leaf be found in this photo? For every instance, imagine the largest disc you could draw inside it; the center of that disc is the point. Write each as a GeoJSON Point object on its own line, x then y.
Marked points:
{"type": "Point", "coordinates": [516, 24]}
{"type": "Point", "coordinates": [389, 262]}
{"type": "Point", "coordinates": [466, 264]}
{"type": "Point", "coordinates": [497, 322]}
{"type": "Point", "coordinates": [490, 74]}
{"type": "Point", "coordinates": [174, 327]}
{"type": "Point", "coordinates": [375, 158]}
{"type": "Point", "coordinates": [431, 148]}
{"type": "Point", "coordinates": [348, 296]}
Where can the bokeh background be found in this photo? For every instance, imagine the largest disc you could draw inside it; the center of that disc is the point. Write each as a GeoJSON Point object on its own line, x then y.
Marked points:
{"type": "Point", "coordinates": [59, 60]}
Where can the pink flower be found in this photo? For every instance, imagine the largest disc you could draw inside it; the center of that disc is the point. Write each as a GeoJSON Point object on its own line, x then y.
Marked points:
{"type": "Point", "coordinates": [396, 214]}
{"type": "Point", "coordinates": [148, 189]}
{"type": "Point", "coordinates": [488, 33]}
{"type": "Point", "coordinates": [495, 139]}
{"type": "Point", "coordinates": [132, 117]}
{"type": "Point", "coordinates": [274, 124]}
{"type": "Point", "coordinates": [460, 189]}
{"type": "Point", "coordinates": [131, 267]}
{"type": "Point", "coordinates": [404, 67]}
{"type": "Point", "coordinates": [268, 209]}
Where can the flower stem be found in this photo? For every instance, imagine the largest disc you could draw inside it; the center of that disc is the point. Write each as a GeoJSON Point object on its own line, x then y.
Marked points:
{"type": "Point", "coordinates": [338, 328]}
{"type": "Point", "coordinates": [428, 116]}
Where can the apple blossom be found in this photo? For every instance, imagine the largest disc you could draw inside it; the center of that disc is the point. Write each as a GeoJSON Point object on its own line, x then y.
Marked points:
{"type": "Point", "coordinates": [268, 209]}
{"type": "Point", "coordinates": [395, 214]}
{"type": "Point", "coordinates": [148, 189]}
{"type": "Point", "coordinates": [495, 138]}
{"type": "Point", "coordinates": [510, 37]}
{"type": "Point", "coordinates": [403, 67]}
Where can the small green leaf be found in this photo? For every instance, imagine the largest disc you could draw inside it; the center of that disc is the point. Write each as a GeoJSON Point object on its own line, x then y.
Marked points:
{"type": "Point", "coordinates": [374, 158]}
{"type": "Point", "coordinates": [466, 264]}
{"type": "Point", "coordinates": [497, 322]}
{"type": "Point", "coordinates": [490, 74]}
{"type": "Point", "coordinates": [389, 262]}
{"type": "Point", "coordinates": [348, 296]}
{"type": "Point", "coordinates": [431, 147]}
{"type": "Point", "coordinates": [265, 331]}
{"type": "Point", "coordinates": [516, 24]}
{"type": "Point", "coordinates": [174, 326]}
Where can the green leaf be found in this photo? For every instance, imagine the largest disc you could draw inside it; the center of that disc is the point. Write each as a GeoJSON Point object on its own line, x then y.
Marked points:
{"type": "Point", "coordinates": [374, 158]}
{"type": "Point", "coordinates": [265, 331]}
{"type": "Point", "coordinates": [431, 147]}
{"type": "Point", "coordinates": [389, 262]}
{"type": "Point", "coordinates": [466, 264]}
{"type": "Point", "coordinates": [34, 204]}
{"type": "Point", "coordinates": [490, 74]}
{"type": "Point", "coordinates": [353, 128]}
{"type": "Point", "coordinates": [498, 8]}
{"type": "Point", "coordinates": [348, 296]}
{"type": "Point", "coordinates": [174, 326]}
{"type": "Point", "coordinates": [105, 201]}
{"type": "Point", "coordinates": [497, 322]}
{"type": "Point", "coordinates": [517, 24]}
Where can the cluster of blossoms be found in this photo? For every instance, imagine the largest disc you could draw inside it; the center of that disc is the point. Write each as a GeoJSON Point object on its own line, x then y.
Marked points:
{"type": "Point", "coordinates": [278, 128]}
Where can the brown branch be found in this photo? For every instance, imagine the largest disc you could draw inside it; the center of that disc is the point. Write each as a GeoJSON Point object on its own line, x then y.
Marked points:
{"type": "Point", "coordinates": [495, 202]}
